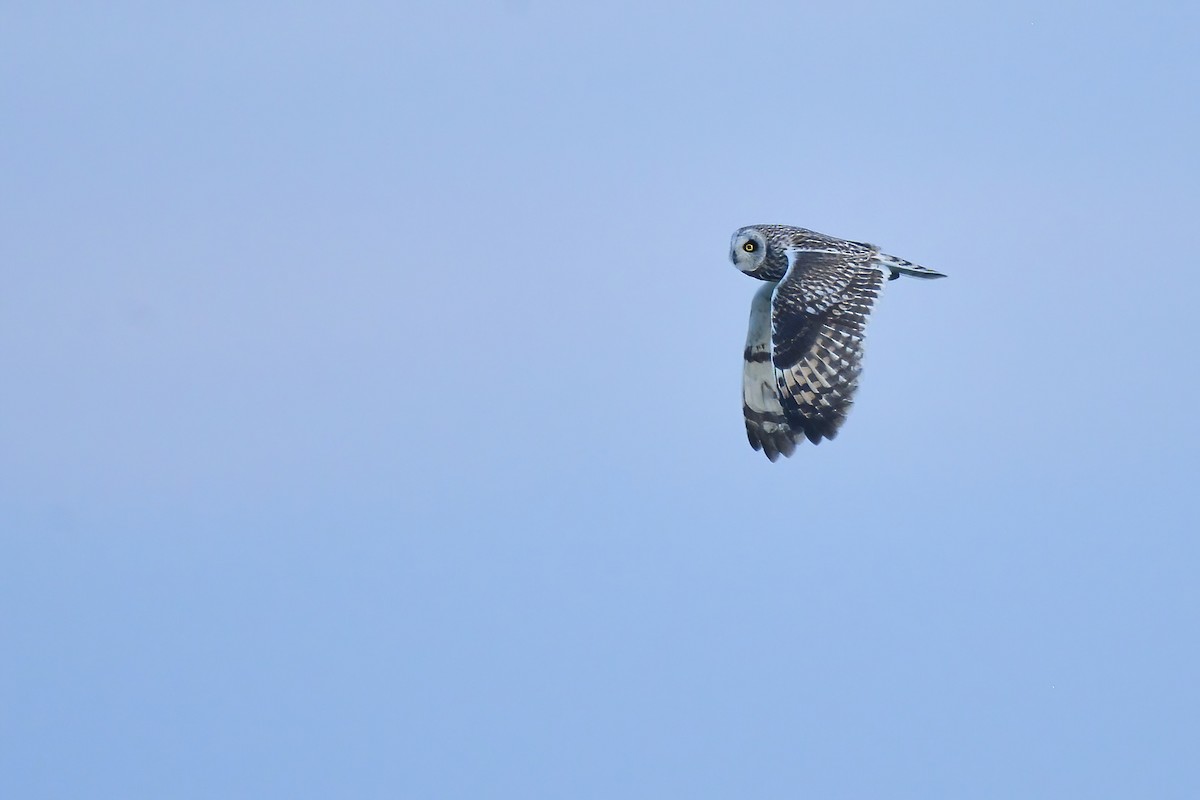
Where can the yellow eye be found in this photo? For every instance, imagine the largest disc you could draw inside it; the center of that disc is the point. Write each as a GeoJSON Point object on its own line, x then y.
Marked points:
{"type": "Point", "coordinates": [749, 247]}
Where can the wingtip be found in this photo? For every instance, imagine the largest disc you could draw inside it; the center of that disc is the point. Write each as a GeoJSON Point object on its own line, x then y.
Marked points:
{"type": "Point", "coordinates": [772, 445]}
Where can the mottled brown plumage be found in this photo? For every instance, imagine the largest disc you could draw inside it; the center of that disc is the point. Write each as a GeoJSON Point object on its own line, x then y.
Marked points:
{"type": "Point", "coordinates": [804, 348]}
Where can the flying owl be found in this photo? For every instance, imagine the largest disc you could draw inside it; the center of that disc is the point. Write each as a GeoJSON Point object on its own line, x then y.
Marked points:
{"type": "Point", "coordinates": [804, 349]}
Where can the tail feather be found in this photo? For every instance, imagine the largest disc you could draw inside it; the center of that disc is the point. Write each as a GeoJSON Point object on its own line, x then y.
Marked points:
{"type": "Point", "coordinates": [898, 266]}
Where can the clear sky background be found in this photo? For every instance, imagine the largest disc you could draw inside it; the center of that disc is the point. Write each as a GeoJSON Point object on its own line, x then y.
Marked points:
{"type": "Point", "coordinates": [370, 422]}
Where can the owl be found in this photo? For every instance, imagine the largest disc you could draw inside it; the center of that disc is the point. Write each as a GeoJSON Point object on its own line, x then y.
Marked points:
{"type": "Point", "coordinates": [804, 350]}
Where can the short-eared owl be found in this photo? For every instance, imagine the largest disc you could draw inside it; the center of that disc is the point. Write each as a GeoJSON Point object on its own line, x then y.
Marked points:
{"type": "Point", "coordinates": [804, 350]}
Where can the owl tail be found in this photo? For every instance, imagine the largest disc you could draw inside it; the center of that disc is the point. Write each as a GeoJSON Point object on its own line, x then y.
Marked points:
{"type": "Point", "coordinates": [898, 266]}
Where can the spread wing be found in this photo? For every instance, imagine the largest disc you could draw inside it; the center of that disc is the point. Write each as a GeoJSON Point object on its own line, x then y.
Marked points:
{"type": "Point", "coordinates": [818, 315]}
{"type": "Point", "coordinates": [766, 426]}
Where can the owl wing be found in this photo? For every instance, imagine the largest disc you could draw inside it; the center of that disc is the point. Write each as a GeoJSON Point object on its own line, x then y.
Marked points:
{"type": "Point", "coordinates": [818, 316]}
{"type": "Point", "coordinates": [766, 426]}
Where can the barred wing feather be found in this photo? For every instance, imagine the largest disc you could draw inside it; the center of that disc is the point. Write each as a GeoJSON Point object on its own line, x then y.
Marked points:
{"type": "Point", "coordinates": [818, 317]}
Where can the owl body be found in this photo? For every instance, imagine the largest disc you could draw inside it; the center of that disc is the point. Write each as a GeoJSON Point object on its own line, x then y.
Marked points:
{"type": "Point", "coordinates": [804, 347]}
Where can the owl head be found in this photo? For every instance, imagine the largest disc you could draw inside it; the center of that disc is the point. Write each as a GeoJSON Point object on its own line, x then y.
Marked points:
{"type": "Point", "coordinates": [757, 254]}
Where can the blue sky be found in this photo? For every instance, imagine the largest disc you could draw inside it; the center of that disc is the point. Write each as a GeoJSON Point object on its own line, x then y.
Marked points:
{"type": "Point", "coordinates": [371, 423]}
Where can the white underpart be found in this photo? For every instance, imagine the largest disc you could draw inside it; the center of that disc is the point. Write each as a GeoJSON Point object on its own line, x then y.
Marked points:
{"type": "Point", "coordinates": [758, 379]}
